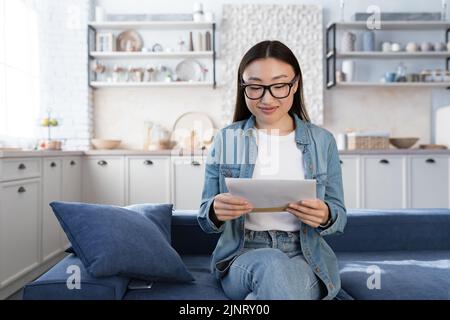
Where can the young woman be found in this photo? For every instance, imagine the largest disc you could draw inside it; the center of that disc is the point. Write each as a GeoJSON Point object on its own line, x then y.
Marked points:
{"type": "Point", "coordinates": [275, 255]}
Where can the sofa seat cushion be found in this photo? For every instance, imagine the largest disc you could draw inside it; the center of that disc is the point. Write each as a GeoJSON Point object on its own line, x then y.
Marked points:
{"type": "Point", "coordinates": [69, 280]}
{"type": "Point", "coordinates": [205, 287]}
{"type": "Point", "coordinates": [403, 274]}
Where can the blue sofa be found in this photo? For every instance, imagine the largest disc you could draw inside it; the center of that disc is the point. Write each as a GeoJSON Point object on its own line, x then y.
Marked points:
{"type": "Point", "coordinates": [388, 254]}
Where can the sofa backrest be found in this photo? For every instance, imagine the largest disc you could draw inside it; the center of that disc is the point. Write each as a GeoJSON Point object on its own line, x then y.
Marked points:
{"type": "Point", "coordinates": [366, 230]}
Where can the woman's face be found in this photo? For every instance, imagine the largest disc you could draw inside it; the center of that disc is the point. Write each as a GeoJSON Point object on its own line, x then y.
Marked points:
{"type": "Point", "coordinates": [268, 110]}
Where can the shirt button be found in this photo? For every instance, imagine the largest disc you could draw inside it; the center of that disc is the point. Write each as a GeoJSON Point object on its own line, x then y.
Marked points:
{"type": "Point", "coordinates": [317, 269]}
{"type": "Point", "coordinates": [305, 231]}
{"type": "Point", "coordinates": [330, 286]}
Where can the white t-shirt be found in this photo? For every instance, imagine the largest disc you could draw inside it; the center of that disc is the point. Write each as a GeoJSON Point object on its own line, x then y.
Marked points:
{"type": "Point", "coordinates": [278, 158]}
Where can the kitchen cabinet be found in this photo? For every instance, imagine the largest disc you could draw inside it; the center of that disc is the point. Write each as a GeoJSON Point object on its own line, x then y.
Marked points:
{"type": "Point", "coordinates": [384, 182]}
{"type": "Point", "coordinates": [429, 181]}
{"type": "Point", "coordinates": [148, 180]}
{"type": "Point", "coordinates": [51, 191]}
{"type": "Point", "coordinates": [187, 182]}
{"type": "Point", "coordinates": [104, 180]}
{"type": "Point", "coordinates": [15, 169]}
{"type": "Point", "coordinates": [350, 166]}
{"type": "Point", "coordinates": [19, 228]}
{"type": "Point", "coordinates": [71, 186]}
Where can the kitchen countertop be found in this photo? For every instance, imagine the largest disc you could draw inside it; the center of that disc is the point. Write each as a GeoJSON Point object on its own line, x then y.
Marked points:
{"type": "Point", "coordinates": [181, 152]}
{"type": "Point", "coordinates": [115, 152]}
{"type": "Point", "coordinates": [393, 151]}
{"type": "Point", "coordinates": [38, 153]}
{"type": "Point", "coordinates": [125, 152]}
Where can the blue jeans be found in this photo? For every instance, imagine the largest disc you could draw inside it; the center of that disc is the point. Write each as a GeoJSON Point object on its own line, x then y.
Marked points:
{"type": "Point", "coordinates": [271, 267]}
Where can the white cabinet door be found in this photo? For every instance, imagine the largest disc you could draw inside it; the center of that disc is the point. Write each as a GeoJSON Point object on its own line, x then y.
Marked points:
{"type": "Point", "coordinates": [148, 180]}
{"type": "Point", "coordinates": [71, 186]}
{"type": "Point", "coordinates": [188, 179]}
{"type": "Point", "coordinates": [19, 228]}
{"type": "Point", "coordinates": [104, 180]}
{"type": "Point", "coordinates": [384, 182]}
{"type": "Point", "coordinates": [429, 182]}
{"type": "Point", "coordinates": [71, 182]}
{"type": "Point", "coordinates": [351, 180]}
{"type": "Point", "coordinates": [51, 191]}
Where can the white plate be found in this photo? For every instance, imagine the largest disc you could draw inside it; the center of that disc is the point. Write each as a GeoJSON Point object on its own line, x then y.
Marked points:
{"type": "Point", "coordinates": [199, 122]}
{"type": "Point", "coordinates": [132, 36]}
{"type": "Point", "coordinates": [189, 70]}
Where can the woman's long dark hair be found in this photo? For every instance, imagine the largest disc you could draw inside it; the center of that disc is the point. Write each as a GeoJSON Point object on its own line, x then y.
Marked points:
{"type": "Point", "coordinates": [277, 50]}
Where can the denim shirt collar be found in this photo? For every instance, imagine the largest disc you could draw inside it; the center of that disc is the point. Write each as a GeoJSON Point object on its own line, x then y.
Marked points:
{"type": "Point", "coordinates": [301, 134]}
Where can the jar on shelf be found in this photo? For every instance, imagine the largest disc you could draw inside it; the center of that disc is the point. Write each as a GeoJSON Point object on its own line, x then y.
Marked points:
{"type": "Point", "coordinates": [401, 73]}
{"type": "Point", "coordinates": [117, 74]}
{"type": "Point", "coordinates": [426, 76]}
{"type": "Point", "coordinates": [447, 76]}
{"type": "Point", "coordinates": [138, 75]}
{"type": "Point", "coordinates": [438, 75]}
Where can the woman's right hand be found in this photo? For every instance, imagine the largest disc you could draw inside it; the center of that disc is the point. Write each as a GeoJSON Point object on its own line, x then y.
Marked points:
{"type": "Point", "coordinates": [229, 207]}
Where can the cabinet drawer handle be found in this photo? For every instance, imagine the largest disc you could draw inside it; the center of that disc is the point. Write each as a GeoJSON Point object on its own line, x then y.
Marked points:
{"type": "Point", "coordinates": [430, 161]}
{"type": "Point", "coordinates": [21, 190]}
{"type": "Point", "coordinates": [22, 166]}
{"type": "Point", "coordinates": [102, 163]}
{"type": "Point", "coordinates": [53, 165]}
{"type": "Point", "coordinates": [384, 161]}
{"type": "Point", "coordinates": [72, 163]}
{"type": "Point", "coordinates": [195, 163]}
{"type": "Point", "coordinates": [148, 162]}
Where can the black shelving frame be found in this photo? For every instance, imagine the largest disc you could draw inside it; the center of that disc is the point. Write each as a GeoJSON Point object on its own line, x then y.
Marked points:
{"type": "Point", "coordinates": [331, 53]}
{"type": "Point", "coordinates": [92, 35]}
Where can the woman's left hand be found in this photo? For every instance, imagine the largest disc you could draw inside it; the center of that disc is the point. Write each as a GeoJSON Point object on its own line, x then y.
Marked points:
{"type": "Point", "coordinates": [312, 212]}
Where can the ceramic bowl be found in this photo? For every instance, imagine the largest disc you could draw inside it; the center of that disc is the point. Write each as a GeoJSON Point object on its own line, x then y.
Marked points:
{"type": "Point", "coordinates": [403, 143]}
{"type": "Point", "coordinates": [105, 144]}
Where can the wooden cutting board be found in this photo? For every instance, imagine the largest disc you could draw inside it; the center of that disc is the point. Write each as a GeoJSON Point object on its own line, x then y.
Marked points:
{"type": "Point", "coordinates": [432, 146]}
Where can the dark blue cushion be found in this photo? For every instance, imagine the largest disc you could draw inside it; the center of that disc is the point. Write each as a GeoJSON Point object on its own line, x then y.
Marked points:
{"type": "Point", "coordinates": [156, 212]}
{"type": "Point", "coordinates": [112, 240]}
{"type": "Point", "coordinates": [159, 213]}
{"type": "Point", "coordinates": [53, 284]}
{"type": "Point", "coordinates": [205, 287]}
{"type": "Point", "coordinates": [404, 275]}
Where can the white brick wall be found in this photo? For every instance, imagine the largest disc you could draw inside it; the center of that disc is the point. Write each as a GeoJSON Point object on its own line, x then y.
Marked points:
{"type": "Point", "coordinates": [64, 84]}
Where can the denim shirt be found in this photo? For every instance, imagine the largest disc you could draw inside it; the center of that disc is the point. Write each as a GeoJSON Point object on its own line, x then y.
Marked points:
{"type": "Point", "coordinates": [233, 154]}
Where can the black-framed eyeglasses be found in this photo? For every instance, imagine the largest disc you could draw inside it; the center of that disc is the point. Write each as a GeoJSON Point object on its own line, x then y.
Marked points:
{"type": "Point", "coordinates": [277, 90]}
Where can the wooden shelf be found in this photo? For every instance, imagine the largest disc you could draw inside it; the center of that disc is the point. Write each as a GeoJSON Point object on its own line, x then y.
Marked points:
{"type": "Point", "coordinates": [97, 84]}
{"type": "Point", "coordinates": [393, 55]}
{"type": "Point", "coordinates": [395, 84]}
{"type": "Point", "coordinates": [142, 55]}
{"type": "Point", "coordinates": [168, 25]}
{"type": "Point", "coordinates": [396, 25]}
